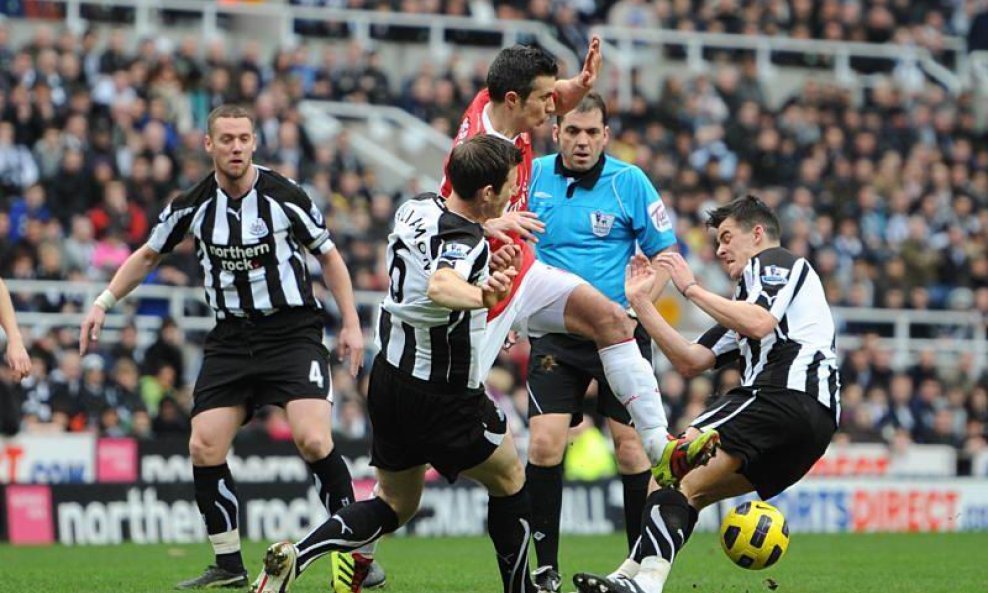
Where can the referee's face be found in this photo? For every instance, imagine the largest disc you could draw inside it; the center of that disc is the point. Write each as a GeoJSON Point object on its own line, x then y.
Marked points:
{"type": "Point", "coordinates": [231, 144]}
{"type": "Point", "coordinates": [581, 138]}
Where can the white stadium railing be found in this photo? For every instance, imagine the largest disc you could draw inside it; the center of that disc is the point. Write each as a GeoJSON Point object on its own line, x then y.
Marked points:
{"type": "Point", "coordinates": [968, 329]}
{"type": "Point", "coordinates": [623, 40]}
{"type": "Point", "coordinates": [283, 16]}
{"type": "Point", "coordinates": [635, 48]}
{"type": "Point", "coordinates": [393, 137]}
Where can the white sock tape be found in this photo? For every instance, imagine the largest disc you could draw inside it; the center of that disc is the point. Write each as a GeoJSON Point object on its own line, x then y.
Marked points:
{"type": "Point", "coordinates": [227, 542]}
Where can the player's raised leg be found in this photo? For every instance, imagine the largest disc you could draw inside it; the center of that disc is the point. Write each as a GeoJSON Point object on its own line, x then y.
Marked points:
{"type": "Point", "coordinates": [590, 313]}
{"type": "Point", "coordinates": [353, 526]}
{"type": "Point", "coordinates": [213, 431]}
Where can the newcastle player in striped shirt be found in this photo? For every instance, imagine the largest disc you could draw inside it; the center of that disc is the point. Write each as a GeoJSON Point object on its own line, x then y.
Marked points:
{"type": "Point", "coordinates": [250, 227]}
{"type": "Point", "coordinates": [428, 408]}
{"type": "Point", "coordinates": [778, 423]}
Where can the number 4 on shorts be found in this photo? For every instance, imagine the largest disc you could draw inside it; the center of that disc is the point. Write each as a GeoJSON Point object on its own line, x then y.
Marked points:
{"type": "Point", "coordinates": [315, 374]}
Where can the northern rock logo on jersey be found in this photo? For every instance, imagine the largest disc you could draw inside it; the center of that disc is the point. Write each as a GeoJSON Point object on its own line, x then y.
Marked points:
{"type": "Point", "coordinates": [775, 276]}
{"type": "Point", "coordinates": [601, 223]}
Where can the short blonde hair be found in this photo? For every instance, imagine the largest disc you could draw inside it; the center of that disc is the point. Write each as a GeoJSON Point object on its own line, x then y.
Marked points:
{"type": "Point", "coordinates": [234, 111]}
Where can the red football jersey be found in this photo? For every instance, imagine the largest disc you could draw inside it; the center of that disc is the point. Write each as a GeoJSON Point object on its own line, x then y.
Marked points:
{"type": "Point", "coordinates": [476, 121]}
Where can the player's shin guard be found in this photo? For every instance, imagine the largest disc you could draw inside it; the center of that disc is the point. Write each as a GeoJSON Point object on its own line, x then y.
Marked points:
{"type": "Point", "coordinates": [633, 381]}
{"type": "Point", "coordinates": [635, 491]}
{"type": "Point", "coordinates": [216, 497]}
{"type": "Point", "coordinates": [509, 528]}
{"type": "Point", "coordinates": [353, 526]}
{"type": "Point", "coordinates": [545, 491]}
{"type": "Point", "coordinates": [667, 524]}
{"type": "Point", "coordinates": [332, 479]}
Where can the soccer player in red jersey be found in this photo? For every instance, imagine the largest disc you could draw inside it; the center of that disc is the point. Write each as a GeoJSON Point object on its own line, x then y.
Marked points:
{"type": "Point", "coordinates": [522, 92]}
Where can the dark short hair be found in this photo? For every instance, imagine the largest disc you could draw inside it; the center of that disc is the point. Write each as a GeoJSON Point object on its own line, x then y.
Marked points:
{"type": "Point", "coordinates": [748, 211]}
{"type": "Point", "coordinates": [592, 102]}
{"type": "Point", "coordinates": [481, 161]}
{"type": "Point", "coordinates": [235, 111]}
{"type": "Point", "coordinates": [516, 68]}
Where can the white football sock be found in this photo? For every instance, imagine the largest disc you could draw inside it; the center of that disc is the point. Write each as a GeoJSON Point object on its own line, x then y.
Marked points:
{"type": "Point", "coordinates": [633, 381]}
{"type": "Point", "coordinates": [653, 574]}
{"type": "Point", "coordinates": [629, 568]}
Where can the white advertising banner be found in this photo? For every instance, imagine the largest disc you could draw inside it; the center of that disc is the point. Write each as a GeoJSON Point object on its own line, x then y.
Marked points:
{"type": "Point", "coordinates": [861, 459]}
{"type": "Point", "coordinates": [48, 459]}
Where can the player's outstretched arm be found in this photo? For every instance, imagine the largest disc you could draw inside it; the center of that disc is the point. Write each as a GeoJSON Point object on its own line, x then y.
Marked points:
{"type": "Point", "coordinates": [687, 358]}
{"type": "Point", "coordinates": [745, 318]}
{"type": "Point", "coordinates": [130, 275]}
{"type": "Point", "coordinates": [350, 342]}
{"type": "Point", "coordinates": [448, 289]}
{"type": "Point", "coordinates": [525, 223]}
{"type": "Point", "coordinates": [569, 92]}
{"type": "Point", "coordinates": [16, 357]}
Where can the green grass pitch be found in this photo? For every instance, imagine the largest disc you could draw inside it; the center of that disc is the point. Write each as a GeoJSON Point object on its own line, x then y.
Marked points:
{"type": "Point", "coordinates": [927, 563]}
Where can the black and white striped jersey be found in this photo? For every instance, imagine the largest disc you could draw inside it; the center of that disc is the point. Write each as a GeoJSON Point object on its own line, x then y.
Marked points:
{"type": "Point", "coordinates": [250, 247]}
{"type": "Point", "coordinates": [801, 353]}
{"type": "Point", "coordinates": [419, 337]}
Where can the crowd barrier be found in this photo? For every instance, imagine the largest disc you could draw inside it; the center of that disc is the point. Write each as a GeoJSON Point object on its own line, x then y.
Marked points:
{"type": "Point", "coordinates": [84, 490]}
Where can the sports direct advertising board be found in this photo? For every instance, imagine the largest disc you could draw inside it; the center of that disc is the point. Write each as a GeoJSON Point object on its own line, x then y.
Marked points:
{"type": "Point", "coordinates": [864, 505]}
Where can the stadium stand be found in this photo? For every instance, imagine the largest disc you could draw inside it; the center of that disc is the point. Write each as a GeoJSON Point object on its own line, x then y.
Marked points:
{"type": "Point", "coordinates": [884, 188]}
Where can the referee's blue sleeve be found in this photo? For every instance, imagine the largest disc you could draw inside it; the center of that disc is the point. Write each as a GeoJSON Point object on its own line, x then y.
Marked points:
{"type": "Point", "coordinates": [653, 227]}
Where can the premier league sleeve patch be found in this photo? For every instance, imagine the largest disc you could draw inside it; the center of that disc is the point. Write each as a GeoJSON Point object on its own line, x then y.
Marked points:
{"type": "Point", "coordinates": [454, 252]}
{"type": "Point", "coordinates": [774, 276]}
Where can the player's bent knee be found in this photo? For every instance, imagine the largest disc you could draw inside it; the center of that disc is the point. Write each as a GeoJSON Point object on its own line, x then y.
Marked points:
{"type": "Point", "coordinates": [509, 481]}
{"type": "Point", "coordinates": [404, 506]}
{"type": "Point", "coordinates": [314, 445]}
{"type": "Point", "coordinates": [612, 325]}
{"type": "Point", "coordinates": [630, 455]}
{"type": "Point", "coordinates": [205, 452]}
{"type": "Point", "coordinates": [545, 449]}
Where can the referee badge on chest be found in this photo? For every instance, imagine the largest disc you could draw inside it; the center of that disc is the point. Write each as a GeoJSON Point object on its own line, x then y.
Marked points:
{"type": "Point", "coordinates": [601, 223]}
{"type": "Point", "coordinates": [258, 228]}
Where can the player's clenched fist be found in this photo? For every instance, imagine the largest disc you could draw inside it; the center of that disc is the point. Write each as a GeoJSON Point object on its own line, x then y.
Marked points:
{"type": "Point", "coordinates": [497, 286]}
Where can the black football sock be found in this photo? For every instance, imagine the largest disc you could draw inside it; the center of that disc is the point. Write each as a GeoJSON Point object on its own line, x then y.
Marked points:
{"type": "Point", "coordinates": [667, 523]}
{"type": "Point", "coordinates": [352, 527]}
{"type": "Point", "coordinates": [509, 528]}
{"type": "Point", "coordinates": [332, 479]}
{"type": "Point", "coordinates": [545, 490]}
{"type": "Point", "coordinates": [216, 497]}
{"type": "Point", "coordinates": [635, 491]}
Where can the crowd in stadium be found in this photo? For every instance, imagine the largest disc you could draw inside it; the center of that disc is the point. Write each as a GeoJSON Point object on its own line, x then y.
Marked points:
{"type": "Point", "coordinates": [888, 199]}
{"type": "Point", "coordinates": [924, 23]}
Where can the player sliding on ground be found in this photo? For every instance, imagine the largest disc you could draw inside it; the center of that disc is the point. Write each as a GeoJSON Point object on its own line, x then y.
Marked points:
{"type": "Point", "coordinates": [773, 427]}
{"type": "Point", "coordinates": [426, 397]}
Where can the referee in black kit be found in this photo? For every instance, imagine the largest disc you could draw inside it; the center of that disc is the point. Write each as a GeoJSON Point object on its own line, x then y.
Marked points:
{"type": "Point", "coordinates": [250, 225]}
